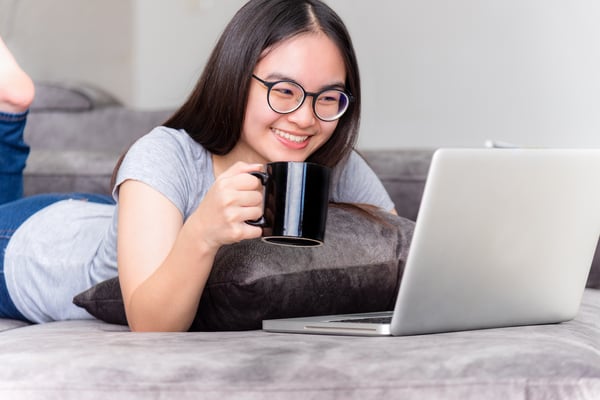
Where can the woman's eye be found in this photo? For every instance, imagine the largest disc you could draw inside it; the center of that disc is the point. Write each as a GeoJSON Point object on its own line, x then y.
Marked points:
{"type": "Point", "coordinates": [329, 98]}
{"type": "Point", "coordinates": [283, 91]}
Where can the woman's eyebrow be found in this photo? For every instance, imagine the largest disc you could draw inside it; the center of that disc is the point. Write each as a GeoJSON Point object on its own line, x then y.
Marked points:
{"type": "Point", "coordinates": [275, 76]}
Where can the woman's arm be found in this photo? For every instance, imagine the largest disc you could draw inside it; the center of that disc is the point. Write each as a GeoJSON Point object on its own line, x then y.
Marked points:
{"type": "Point", "coordinates": [164, 262]}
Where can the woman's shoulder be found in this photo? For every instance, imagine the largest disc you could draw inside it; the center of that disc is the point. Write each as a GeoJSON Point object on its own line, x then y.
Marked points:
{"type": "Point", "coordinates": [162, 144]}
{"type": "Point", "coordinates": [355, 182]}
{"type": "Point", "coordinates": [171, 162]}
{"type": "Point", "coordinates": [352, 163]}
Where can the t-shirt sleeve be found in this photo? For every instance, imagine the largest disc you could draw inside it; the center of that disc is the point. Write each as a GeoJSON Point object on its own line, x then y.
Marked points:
{"type": "Point", "coordinates": [158, 159]}
{"type": "Point", "coordinates": [355, 182]}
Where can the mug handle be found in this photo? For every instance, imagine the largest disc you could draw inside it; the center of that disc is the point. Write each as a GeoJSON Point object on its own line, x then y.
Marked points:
{"type": "Point", "coordinates": [263, 178]}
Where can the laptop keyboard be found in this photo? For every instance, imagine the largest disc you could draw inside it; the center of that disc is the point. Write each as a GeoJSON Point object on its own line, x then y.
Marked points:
{"type": "Point", "coordinates": [369, 320]}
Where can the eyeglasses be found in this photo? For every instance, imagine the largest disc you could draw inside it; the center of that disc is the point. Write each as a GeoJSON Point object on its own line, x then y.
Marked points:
{"type": "Point", "coordinates": [285, 97]}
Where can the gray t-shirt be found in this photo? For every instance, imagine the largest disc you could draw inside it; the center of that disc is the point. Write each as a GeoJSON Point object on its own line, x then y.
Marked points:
{"type": "Point", "coordinates": [71, 245]}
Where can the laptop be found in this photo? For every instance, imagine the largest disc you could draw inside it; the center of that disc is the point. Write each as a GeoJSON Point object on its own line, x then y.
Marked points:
{"type": "Point", "coordinates": [504, 237]}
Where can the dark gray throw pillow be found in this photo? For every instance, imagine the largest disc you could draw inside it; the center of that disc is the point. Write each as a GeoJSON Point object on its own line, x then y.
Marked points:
{"type": "Point", "coordinates": [594, 276]}
{"type": "Point", "coordinates": [358, 269]}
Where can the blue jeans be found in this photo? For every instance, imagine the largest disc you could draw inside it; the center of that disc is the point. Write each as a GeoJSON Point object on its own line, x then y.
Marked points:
{"type": "Point", "coordinates": [13, 155]}
{"type": "Point", "coordinates": [14, 209]}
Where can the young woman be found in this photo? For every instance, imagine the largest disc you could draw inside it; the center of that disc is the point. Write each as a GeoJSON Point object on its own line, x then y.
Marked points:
{"type": "Point", "coordinates": [282, 84]}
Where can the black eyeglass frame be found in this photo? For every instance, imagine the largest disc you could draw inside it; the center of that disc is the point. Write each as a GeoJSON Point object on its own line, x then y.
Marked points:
{"type": "Point", "coordinates": [314, 95]}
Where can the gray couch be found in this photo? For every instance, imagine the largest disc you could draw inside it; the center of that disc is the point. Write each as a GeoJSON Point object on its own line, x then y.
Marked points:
{"type": "Point", "coordinates": [77, 135]}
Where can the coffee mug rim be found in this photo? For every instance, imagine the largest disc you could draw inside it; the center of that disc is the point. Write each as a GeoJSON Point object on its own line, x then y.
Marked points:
{"type": "Point", "coordinates": [298, 162]}
{"type": "Point", "coordinates": [316, 242]}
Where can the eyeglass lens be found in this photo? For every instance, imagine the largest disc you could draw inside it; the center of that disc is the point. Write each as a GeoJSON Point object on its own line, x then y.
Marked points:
{"type": "Point", "coordinates": [285, 97]}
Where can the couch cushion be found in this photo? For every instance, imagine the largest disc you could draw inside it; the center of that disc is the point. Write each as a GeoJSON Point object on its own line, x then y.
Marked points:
{"type": "Point", "coordinates": [94, 360]}
{"type": "Point", "coordinates": [112, 128]}
{"type": "Point", "coordinates": [8, 324]}
{"type": "Point", "coordinates": [69, 97]}
{"type": "Point", "coordinates": [69, 171]}
{"type": "Point", "coordinates": [357, 270]}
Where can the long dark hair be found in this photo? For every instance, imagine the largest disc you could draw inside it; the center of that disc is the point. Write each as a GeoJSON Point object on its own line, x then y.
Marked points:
{"type": "Point", "coordinates": [213, 115]}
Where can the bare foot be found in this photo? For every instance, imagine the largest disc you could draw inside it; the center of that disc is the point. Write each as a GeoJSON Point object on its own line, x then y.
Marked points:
{"type": "Point", "coordinates": [16, 87]}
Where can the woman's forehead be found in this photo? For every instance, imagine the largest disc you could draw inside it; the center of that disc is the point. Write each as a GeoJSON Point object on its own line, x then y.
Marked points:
{"type": "Point", "coordinates": [308, 57]}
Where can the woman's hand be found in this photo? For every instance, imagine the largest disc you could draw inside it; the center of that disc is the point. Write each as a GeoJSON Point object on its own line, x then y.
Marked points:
{"type": "Point", "coordinates": [234, 198]}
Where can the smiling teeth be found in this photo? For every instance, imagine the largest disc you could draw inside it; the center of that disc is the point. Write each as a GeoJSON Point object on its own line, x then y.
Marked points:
{"type": "Point", "coordinates": [291, 138]}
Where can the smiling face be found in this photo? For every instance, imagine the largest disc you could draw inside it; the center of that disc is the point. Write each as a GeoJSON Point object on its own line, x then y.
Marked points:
{"type": "Point", "coordinates": [313, 61]}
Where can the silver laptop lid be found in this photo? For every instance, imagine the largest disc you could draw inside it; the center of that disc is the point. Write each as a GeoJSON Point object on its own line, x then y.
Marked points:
{"type": "Point", "coordinates": [504, 237]}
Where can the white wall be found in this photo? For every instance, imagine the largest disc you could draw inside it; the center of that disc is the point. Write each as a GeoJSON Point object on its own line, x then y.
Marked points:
{"type": "Point", "coordinates": [173, 40]}
{"type": "Point", "coordinates": [435, 73]}
{"type": "Point", "coordinates": [72, 40]}
{"type": "Point", "coordinates": [446, 73]}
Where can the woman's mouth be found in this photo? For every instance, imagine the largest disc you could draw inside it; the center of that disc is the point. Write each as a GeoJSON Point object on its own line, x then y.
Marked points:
{"type": "Point", "coordinates": [290, 137]}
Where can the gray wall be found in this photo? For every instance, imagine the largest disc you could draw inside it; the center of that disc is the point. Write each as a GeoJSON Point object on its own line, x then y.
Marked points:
{"type": "Point", "coordinates": [435, 73]}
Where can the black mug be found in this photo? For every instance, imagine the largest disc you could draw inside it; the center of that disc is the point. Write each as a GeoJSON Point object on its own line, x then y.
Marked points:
{"type": "Point", "coordinates": [296, 199]}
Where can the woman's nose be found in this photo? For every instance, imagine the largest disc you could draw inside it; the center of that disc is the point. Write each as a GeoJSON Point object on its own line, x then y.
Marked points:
{"type": "Point", "coordinates": [304, 116]}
